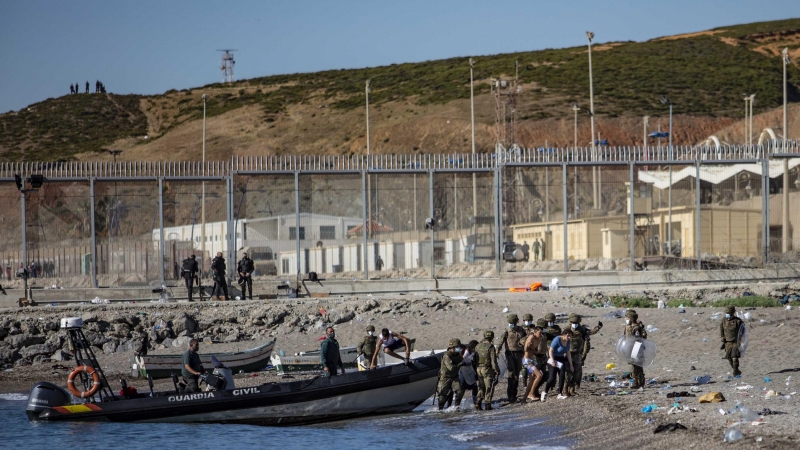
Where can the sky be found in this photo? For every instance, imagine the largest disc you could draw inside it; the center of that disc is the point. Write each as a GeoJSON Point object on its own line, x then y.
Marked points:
{"type": "Point", "coordinates": [149, 47]}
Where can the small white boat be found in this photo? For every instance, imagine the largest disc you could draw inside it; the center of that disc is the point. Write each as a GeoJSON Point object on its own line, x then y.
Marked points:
{"type": "Point", "coordinates": [309, 361]}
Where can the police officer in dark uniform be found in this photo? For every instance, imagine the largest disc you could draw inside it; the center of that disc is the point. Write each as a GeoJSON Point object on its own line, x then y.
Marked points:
{"type": "Point", "coordinates": [513, 339]}
{"type": "Point", "coordinates": [368, 345]}
{"type": "Point", "coordinates": [219, 270]}
{"type": "Point", "coordinates": [245, 269]}
{"type": "Point", "coordinates": [189, 271]}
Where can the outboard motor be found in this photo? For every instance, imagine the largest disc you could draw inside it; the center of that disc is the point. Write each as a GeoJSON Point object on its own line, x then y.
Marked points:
{"type": "Point", "coordinates": [44, 396]}
{"type": "Point", "coordinates": [221, 378]}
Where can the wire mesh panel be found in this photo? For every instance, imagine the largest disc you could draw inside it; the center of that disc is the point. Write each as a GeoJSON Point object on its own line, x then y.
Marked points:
{"type": "Point", "coordinates": [11, 242]}
{"type": "Point", "coordinates": [732, 215]}
{"type": "Point", "coordinates": [126, 213]}
{"type": "Point", "coordinates": [532, 211]}
{"type": "Point", "coordinates": [665, 216]}
{"type": "Point", "coordinates": [399, 205]}
{"type": "Point", "coordinates": [264, 212]}
{"type": "Point", "coordinates": [331, 227]}
{"type": "Point", "coordinates": [783, 206]}
{"type": "Point", "coordinates": [58, 217]}
{"type": "Point", "coordinates": [183, 224]}
{"type": "Point", "coordinates": [465, 243]}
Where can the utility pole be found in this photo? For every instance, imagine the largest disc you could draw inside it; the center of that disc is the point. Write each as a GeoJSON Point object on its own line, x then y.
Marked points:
{"type": "Point", "coordinates": [474, 175]}
{"type": "Point", "coordinates": [785, 197]}
{"type": "Point", "coordinates": [645, 123]}
{"type": "Point", "coordinates": [369, 182]}
{"type": "Point", "coordinates": [203, 202]}
{"type": "Point", "coordinates": [575, 110]}
{"type": "Point", "coordinates": [595, 194]}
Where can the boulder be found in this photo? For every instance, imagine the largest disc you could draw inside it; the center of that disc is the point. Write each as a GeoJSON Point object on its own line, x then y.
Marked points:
{"type": "Point", "coordinates": [109, 347]}
{"type": "Point", "coordinates": [180, 342]}
{"type": "Point", "coordinates": [8, 355]}
{"type": "Point", "coordinates": [3, 333]}
{"type": "Point", "coordinates": [24, 340]}
{"type": "Point", "coordinates": [51, 326]}
{"type": "Point", "coordinates": [40, 359]}
{"type": "Point", "coordinates": [89, 317]}
{"type": "Point", "coordinates": [38, 349]}
{"type": "Point", "coordinates": [606, 264]}
{"type": "Point", "coordinates": [60, 355]}
{"type": "Point", "coordinates": [121, 330]}
{"type": "Point", "coordinates": [591, 264]}
{"type": "Point", "coordinates": [338, 318]}
{"type": "Point", "coordinates": [96, 339]}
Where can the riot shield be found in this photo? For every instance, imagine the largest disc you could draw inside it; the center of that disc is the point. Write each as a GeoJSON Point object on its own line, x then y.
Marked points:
{"type": "Point", "coordinates": [741, 339]}
{"type": "Point", "coordinates": [636, 351]}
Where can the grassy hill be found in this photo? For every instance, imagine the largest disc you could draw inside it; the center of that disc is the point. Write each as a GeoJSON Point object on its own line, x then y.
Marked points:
{"type": "Point", "coordinates": [424, 106]}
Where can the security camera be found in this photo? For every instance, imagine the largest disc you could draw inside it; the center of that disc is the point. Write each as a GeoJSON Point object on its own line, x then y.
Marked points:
{"type": "Point", "coordinates": [430, 222]}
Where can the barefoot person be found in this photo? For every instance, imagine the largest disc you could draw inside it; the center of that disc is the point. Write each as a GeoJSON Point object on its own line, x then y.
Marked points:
{"type": "Point", "coordinates": [391, 341]}
{"type": "Point", "coordinates": [533, 375]}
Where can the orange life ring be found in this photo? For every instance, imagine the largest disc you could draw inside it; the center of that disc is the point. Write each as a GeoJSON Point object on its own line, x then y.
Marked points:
{"type": "Point", "coordinates": [88, 370]}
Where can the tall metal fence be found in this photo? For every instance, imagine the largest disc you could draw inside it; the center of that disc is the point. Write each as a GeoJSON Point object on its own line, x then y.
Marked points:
{"type": "Point", "coordinates": [405, 216]}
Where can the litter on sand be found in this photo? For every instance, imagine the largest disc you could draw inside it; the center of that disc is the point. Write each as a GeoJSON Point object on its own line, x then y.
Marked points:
{"type": "Point", "coordinates": [669, 427]}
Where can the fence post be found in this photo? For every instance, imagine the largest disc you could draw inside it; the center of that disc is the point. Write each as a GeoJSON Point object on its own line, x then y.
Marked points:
{"type": "Point", "coordinates": [161, 229]}
{"type": "Point", "coordinates": [230, 236]}
{"type": "Point", "coordinates": [433, 245]}
{"type": "Point", "coordinates": [765, 207]}
{"type": "Point", "coordinates": [94, 235]}
{"type": "Point", "coordinates": [498, 211]}
{"type": "Point", "coordinates": [564, 211]}
{"type": "Point", "coordinates": [365, 220]}
{"type": "Point", "coordinates": [297, 222]}
{"type": "Point", "coordinates": [24, 237]}
{"type": "Point", "coordinates": [632, 218]}
{"type": "Point", "coordinates": [698, 221]}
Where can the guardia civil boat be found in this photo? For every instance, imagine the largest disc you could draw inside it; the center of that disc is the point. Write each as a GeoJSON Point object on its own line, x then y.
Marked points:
{"type": "Point", "coordinates": [387, 390]}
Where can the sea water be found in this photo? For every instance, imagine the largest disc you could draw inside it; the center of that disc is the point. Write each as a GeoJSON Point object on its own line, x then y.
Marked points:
{"type": "Point", "coordinates": [425, 428]}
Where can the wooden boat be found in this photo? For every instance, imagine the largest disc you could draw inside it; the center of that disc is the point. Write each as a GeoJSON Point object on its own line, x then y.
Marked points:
{"type": "Point", "coordinates": [162, 366]}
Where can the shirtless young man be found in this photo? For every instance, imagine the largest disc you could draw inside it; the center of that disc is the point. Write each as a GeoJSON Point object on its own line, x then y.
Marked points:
{"type": "Point", "coordinates": [532, 344]}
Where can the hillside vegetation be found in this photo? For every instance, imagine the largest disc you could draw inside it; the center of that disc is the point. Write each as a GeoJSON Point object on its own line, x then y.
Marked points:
{"type": "Point", "coordinates": [424, 106]}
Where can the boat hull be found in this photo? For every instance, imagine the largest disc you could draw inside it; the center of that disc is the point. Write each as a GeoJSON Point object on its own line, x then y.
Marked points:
{"type": "Point", "coordinates": [163, 366]}
{"type": "Point", "coordinates": [393, 389]}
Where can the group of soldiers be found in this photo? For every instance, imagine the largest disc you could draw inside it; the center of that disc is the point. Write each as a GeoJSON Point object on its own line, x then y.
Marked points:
{"type": "Point", "coordinates": [524, 347]}
{"type": "Point", "coordinates": [99, 88]}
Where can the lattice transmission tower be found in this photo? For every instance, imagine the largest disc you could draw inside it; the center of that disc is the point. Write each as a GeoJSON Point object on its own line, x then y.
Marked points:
{"type": "Point", "coordinates": [227, 65]}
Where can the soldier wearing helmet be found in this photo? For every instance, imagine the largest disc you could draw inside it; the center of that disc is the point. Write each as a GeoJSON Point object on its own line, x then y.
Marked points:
{"type": "Point", "coordinates": [513, 339]}
{"type": "Point", "coordinates": [578, 348]}
{"type": "Point", "coordinates": [485, 361]}
{"type": "Point", "coordinates": [551, 330]}
{"type": "Point", "coordinates": [448, 374]}
{"type": "Point", "coordinates": [729, 334]}
{"type": "Point", "coordinates": [633, 327]}
{"type": "Point", "coordinates": [368, 345]}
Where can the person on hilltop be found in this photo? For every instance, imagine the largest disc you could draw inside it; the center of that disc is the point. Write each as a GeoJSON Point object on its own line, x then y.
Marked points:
{"type": "Point", "coordinates": [87, 87]}
{"type": "Point", "coordinates": [189, 271]}
{"type": "Point", "coordinates": [449, 383]}
{"type": "Point", "coordinates": [729, 334]}
{"type": "Point", "coordinates": [513, 339]}
{"type": "Point", "coordinates": [391, 341]}
{"type": "Point", "coordinates": [71, 89]}
{"type": "Point", "coordinates": [485, 361]}
{"type": "Point", "coordinates": [633, 327]}
{"type": "Point", "coordinates": [329, 354]}
{"type": "Point", "coordinates": [245, 267]}
{"type": "Point", "coordinates": [368, 345]}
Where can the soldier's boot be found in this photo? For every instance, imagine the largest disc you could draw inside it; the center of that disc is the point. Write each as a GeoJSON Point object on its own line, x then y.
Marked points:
{"type": "Point", "coordinates": [478, 406]}
{"type": "Point", "coordinates": [568, 390]}
{"type": "Point", "coordinates": [488, 406]}
{"type": "Point", "coordinates": [636, 383]}
{"type": "Point", "coordinates": [735, 364]}
{"type": "Point", "coordinates": [642, 382]}
{"type": "Point", "coordinates": [511, 392]}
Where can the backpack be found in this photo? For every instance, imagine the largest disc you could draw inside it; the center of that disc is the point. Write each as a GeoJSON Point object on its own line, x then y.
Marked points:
{"type": "Point", "coordinates": [187, 266]}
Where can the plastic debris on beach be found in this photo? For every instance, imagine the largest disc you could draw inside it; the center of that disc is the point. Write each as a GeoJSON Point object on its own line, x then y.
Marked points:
{"type": "Point", "coordinates": [732, 435]}
{"type": "Point", "coordinates": [703, 380]}
{"type": "Point", "coordinates": [649, 408]}
{"type": "Point", "coordinates": [651, 329]}
{"type": "Point", "coordinates": [611, 366]}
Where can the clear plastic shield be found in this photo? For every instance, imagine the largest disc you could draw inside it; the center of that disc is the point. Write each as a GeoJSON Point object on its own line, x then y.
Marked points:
{"type": "Point", "coordinates": [741, 340]}
{"type": "Point", "coordinates": [636, 351]}
{"type": "Point", "coordinates": [502, 364]}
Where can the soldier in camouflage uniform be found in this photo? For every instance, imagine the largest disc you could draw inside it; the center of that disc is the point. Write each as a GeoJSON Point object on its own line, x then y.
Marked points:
{"type": "Point", "coordinates": [448, 374]}
{"type": "Point", "coordinates": [635, 328]}
{"type": "Point", "coordinates": [528, 326]}
{"type": "Point", "coordinates": [513, 339]}
{"type": "Point", "coordinates": [729, 334]}
{"type": "Point", "coordinates": [368, 345]}
{"type": "Point", "coordinates": [485, 360]}
{"type": "Point", "coordinates": [551, 330]}
{"type": "Point", "coordinates": [579, 346]}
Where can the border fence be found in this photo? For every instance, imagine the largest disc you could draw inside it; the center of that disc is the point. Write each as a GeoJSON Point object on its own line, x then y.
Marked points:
{"type": "Point", "coordinates": [120, 224]}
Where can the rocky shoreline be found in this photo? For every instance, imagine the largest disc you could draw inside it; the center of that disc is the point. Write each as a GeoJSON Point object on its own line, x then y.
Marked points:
{"type": "Point", "coordinates": [33, 348]}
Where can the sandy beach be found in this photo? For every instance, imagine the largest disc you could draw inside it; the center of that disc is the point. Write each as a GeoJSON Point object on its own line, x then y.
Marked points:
{"type": "Point", "coordinates": [688, 347]}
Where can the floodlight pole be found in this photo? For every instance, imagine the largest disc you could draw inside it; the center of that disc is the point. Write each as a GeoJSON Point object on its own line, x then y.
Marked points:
{"type": "Point", "coordinates": [369, 182]}
{"type": "Point", "coordinates": [595, 194]}
{"type": "Point", "coordinates": [785, 198]}
{"type": "Point", "coordinates": [203, 202]}
{"type": "Point", "coordinates": [472, 107]}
